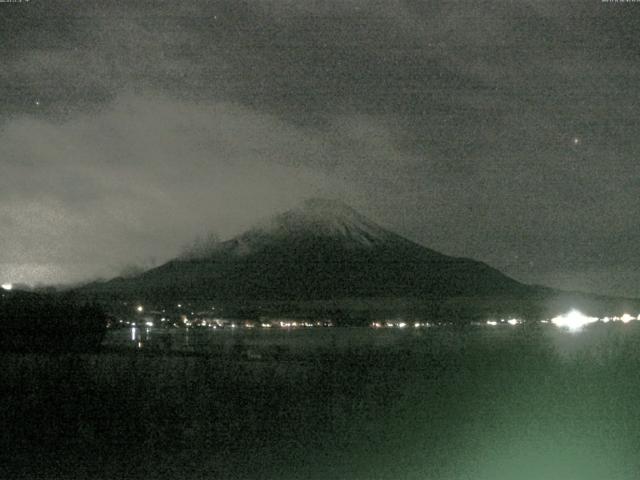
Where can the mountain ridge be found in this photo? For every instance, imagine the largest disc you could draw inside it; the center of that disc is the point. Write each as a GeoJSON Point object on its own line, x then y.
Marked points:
{"type": "Point", "coordinates": [321, 218]}
{"type": "Point", "coordinates": [322, 249]}
{"type": "Point", "coordinates": [323, 258]}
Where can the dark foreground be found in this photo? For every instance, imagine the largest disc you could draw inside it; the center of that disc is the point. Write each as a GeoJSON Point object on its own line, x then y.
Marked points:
{"type": "Point", "coordinates": [502, 404]}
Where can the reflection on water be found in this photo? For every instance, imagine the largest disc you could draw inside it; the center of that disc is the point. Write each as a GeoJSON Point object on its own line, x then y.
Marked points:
{"type": "Point", "coordinates": [221, 341]}
{"type": "Point", "coordinates": [262, 342]}
{"type": "Point", "coordinates": [490, 403]}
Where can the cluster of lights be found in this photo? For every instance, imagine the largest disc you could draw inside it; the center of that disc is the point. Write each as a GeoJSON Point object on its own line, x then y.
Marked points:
{"type": "Point", "coordinates": [296, 324]}
{"type": "Point", "coordinates": [509, 321]}
{"type": "Point", "coordinates": [221, 323]}
{"type": "Point", "coordinates": [626, 318]}
{"type": "Point", "coordinates": [7, 286]}
{"type": "Point", "coordinates": [191, 319]}
{"type": "Point", "coordinates": [575, 321]}
{"type": "Point", "coordinates": [398, 324]}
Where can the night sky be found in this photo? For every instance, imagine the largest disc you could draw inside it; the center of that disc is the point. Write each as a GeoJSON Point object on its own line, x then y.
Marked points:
{"type": "Point", "coordinates": [505, 131]}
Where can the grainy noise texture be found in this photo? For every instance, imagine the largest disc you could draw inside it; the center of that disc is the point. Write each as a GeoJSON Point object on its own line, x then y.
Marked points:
{"type": "Point", "coordinates": [501, 131]}
{"type": "Point", "coordinates": [319, 239]}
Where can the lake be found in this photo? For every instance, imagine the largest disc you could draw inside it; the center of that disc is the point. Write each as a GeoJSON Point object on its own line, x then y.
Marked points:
{"type": "Point", "coordinates": [438, 403]}
{"type": "Point", "coordinates": [293, 340]}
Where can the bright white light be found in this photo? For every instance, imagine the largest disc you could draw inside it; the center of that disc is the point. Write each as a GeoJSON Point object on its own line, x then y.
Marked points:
{"type": "Point", "coordinates": [140, 308]}
{"type": "Point", "coordinates": [7, 286]}
{"type": "Point", "coordinates": [574, 321]}
{"type": "Point", "coordinates": [493, 323]}
{"type": "Point", "coordinates": [149, 324]}
{"type": "Point", "coordinates": [402, 325]}
{"type": "Point", "coordinates": [512, 321]}
{"type": "Point", "coordinates": [626, 318]}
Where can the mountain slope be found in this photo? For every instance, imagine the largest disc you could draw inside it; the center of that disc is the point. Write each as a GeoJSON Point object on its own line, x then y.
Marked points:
{"type": "Point", "coordinates": [320, 250]}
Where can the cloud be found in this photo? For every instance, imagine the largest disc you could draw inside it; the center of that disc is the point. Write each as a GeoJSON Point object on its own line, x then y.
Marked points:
{"type": "Point", "coordinates": [126, 128]}
{"type": "Point", "coordinates": [141, 178]}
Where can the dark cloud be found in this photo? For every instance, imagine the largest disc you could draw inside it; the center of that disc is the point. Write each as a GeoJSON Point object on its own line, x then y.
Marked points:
{"type": "Point", "coordinates": [503, 131]}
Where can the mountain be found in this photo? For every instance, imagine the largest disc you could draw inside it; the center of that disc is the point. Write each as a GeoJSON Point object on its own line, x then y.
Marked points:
{"type": "Point", "coordinates": [322, 249]}
{"type": "Point", "coordinates": [325, 251]}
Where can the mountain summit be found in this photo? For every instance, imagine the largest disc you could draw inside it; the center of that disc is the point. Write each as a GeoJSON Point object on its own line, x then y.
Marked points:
{"type": "Point", "coordinates": [316, 218]}
{"type": "Point", "coordinates": [320, 250]}
{"type": "Point", "coordinates": [324, 217]}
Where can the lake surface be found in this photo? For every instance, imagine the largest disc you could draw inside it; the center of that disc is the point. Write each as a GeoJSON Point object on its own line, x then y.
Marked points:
{"type": "Point", "coordinates": [302, 341]}
{"type": "Point", "coordinates": [294, 340]}
{"type": "Point", "coordinates": [510, 403]}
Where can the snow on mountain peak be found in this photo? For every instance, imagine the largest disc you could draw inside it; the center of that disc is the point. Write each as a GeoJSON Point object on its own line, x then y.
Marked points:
{"type": "Point", "coordinates": [330, 218]}
{"type": "Point", "coordinates": [321, 218]}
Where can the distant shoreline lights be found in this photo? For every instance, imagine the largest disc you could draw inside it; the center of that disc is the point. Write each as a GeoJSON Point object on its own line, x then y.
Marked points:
{"type": "Point", "coordinates": [575, 321]}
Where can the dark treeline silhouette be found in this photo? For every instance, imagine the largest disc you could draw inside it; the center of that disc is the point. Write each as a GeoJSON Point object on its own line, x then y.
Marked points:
{"type": "Point", "coordinates": [43, 323]}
